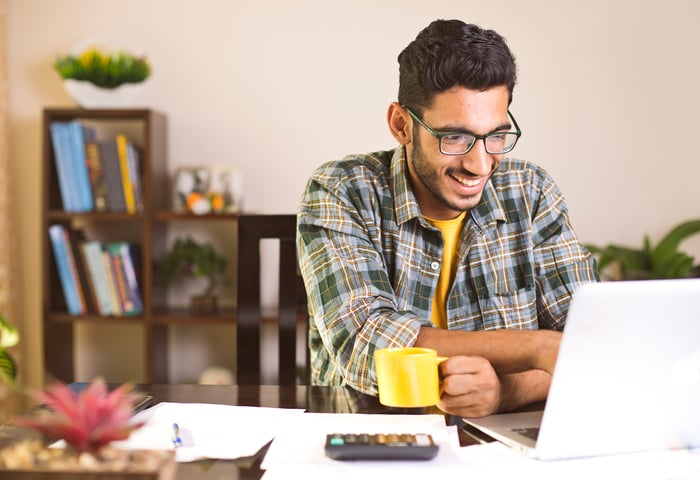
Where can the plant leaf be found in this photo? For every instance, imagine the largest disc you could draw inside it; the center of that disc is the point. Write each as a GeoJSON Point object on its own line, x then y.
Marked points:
{"type": "Point", "coordinates": [678, 266]}
{"type": "Point", "coordinates": [88, 420]}
{"type": "Point", "coordinates": [634, 263]}
{"type": "Point", "coordinates": [8, 367]}
{"type": "Point", "coordinates": [9, 335]}
{"type": "Point", "coordinates": [668, 246]}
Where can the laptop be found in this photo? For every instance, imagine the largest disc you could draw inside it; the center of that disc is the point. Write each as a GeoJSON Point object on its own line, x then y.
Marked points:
{"type": "Point", "coordinates": [627, 378]}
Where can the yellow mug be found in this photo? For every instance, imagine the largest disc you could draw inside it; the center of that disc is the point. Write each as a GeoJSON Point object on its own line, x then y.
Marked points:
{"type": "Point", "coordinates": [408, 376]}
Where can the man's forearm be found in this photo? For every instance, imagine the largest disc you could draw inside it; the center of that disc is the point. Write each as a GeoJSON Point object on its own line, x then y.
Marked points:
{"type": "Point", "coordinates": [509, 351]}
{"type": "Point", "coordinates": [519, 389]}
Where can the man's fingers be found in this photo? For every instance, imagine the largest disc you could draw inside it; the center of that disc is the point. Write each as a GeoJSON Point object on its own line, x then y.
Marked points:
{"type": "Point", "coordinates": [463, 364]}
{"type": "Point", "coordinates": [470, 386]}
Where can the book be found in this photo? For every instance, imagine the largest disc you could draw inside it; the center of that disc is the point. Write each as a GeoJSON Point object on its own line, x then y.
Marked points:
{"type": "Point", "coordinates": [126, 280]}
{"type": "Point", "coordinates": [75, 238]}
{"type": "Point", "coordinates": [98, 181]}
{"type": "Point", "coordinates": [112, 174]}
{"type": "Point", "coordinates": [67, 274]}
{"type": "Point", "coordinates": [61, 155]}
{"type": "Point", "coordinates": [76, 138]}
{"type": "Point", "coordinates": [134, 157]}
{"type": "Point", "coordinates": [111, 283]}
{"type": "Point", "coordinates": [127, 186]}
{"type": "Point", "coordinates": [92, 253]}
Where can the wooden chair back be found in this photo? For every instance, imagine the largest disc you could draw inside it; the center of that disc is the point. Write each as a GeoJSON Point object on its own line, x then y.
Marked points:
{"type": "Point", "coordinates": [292, 312]}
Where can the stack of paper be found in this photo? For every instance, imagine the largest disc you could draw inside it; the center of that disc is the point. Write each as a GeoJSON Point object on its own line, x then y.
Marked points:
{"type": "Point", "coordinates": [208, 430]}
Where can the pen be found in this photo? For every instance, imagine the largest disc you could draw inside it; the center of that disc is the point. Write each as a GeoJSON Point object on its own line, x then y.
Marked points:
{"type": "Point", "coordinates": [177, 441]}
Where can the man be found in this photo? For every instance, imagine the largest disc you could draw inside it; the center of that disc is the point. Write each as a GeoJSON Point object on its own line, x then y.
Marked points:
{"type": "Point", "coordinates": [443, 242]}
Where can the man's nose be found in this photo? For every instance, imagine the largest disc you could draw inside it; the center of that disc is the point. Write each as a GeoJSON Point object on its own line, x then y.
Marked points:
{"type": "Point", "coordinates": [478, 161]}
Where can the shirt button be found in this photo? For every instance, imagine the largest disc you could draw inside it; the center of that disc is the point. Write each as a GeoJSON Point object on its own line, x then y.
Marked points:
{"type": "Point", "coordinates": [435, 266]}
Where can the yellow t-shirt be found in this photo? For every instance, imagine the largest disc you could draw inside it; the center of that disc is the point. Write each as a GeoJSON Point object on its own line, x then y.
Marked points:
{"type": "Point", "coordinates": [450, 236]}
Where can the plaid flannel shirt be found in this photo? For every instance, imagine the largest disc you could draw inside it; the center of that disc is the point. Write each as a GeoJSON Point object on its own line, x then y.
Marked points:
{"type": "Point", "coordinates": [371, 262]}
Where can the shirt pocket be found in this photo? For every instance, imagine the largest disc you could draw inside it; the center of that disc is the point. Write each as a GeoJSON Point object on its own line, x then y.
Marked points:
{"type": "Point", "coordinates": [514, 310]}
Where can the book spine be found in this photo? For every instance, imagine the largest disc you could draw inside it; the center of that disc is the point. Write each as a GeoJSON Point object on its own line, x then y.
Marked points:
{"type": "Point", "coordinates": [92, 252]}
{"type": "Point", "coordinates": [120, 282]}
{"type": "Point", "coordinates": [126, 278]}
{"type": "Point", "coordinates": [79, 162]}
{"type": "Point", "coordinates": [111, 284]}
{"type": "Point", "coordinates": [126, 174]}
{"type": "Point", "coordinates": [75, 276]}
{"type": "Point", "coordinates": [65, 274]}
{"type": "Point", "coordinates": [60, 155]}
{"type": "Point", "coordinates": [97, 177]}
{"type": "Point", "coordinates": [113, 176]}
{"type": "Point", "coordinates": [76, 238]}
{"type": "Point", "coordinates": [134, 158]}
{"type": "Point", "coordinates": [132, 260]}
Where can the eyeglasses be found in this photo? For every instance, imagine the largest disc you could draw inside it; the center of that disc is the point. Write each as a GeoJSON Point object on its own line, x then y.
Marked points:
{"type": "Point", "coordinates": [459, 143]}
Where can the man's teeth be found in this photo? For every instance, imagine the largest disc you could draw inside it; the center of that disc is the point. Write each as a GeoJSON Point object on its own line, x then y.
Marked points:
{"type": "Point", "coordinates": [466, 182]}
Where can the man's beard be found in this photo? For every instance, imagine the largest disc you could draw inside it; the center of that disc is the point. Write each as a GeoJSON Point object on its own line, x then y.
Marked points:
{"type": "Point", "coordinates": [430, 179]}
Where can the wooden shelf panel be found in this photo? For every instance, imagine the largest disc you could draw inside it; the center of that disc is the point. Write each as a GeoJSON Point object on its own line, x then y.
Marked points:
{"type": "Point", "coordinates": [184, 316]}
{"type": "Point", "coordinates": [64, 317]}
{"type": "Point", "coordinates": [165, 216]}
{"type": "Point", "coordinates": [60, 215]}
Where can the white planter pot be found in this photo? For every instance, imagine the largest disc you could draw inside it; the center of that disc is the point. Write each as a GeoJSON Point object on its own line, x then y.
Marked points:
{"type": "Point", "coordinates": [88, 95]}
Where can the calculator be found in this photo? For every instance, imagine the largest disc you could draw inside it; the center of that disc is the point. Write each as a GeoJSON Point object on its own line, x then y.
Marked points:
{"type": "Point", "coordinates": [380, 446]}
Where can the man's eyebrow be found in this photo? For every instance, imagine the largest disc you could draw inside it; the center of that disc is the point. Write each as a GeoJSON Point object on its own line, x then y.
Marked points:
{"type": "Point", "coordinates": [458, 129]}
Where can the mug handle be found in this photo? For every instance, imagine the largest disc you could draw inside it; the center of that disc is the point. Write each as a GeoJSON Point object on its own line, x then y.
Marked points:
{"type": "Point", "coordinates": [439, 361]}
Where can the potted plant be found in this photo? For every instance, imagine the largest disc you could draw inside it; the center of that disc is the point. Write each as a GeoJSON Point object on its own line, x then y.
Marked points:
{"type": "Point", "coordinates": [88, 422]}
{"type": "Point", "coordinates": [97, 78]}
{"type": "Point", "coordinates": [9, 337]}
{"type": "Point", "coordinates": [190, 258]}
{"type": "Point", "coordinates": [651, 262]}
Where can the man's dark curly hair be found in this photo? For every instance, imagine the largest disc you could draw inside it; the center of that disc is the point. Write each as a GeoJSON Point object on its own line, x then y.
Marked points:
{"type": "Point", "coordinates": [449, 53]}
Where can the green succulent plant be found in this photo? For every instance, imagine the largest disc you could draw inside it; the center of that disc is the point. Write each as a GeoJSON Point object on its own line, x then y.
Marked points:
{"type": "Point", "coordinates": [189, 258]}
{"type": "Point", "coordinates": [102, 69]}
{"type": "Point", "coordinates": [662, 261]}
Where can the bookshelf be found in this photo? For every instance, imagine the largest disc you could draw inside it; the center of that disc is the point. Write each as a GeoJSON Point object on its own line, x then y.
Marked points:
{"type": "Point", "coordinates": [146, 228]}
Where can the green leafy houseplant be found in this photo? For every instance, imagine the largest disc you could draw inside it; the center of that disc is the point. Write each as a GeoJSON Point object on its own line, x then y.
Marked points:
{"type": "Point", "coordinates": [102, 69]}
{"type": "Point", "coordinates": [190, 258]}
{"type": "Point", "coordinates": [9, 337]}
{"type": "Point", "coordinates": [662, 261]}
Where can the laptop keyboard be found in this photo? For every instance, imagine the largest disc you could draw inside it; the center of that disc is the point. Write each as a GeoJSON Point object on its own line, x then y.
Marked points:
{"type": "Point", "coordinates": [529, 432]}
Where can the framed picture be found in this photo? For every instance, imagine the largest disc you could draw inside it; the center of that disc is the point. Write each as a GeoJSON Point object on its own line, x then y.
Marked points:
{"type": "Point", "coordinates": [190, 188]}
{"type": "Point", "coordinates": [226, 181]}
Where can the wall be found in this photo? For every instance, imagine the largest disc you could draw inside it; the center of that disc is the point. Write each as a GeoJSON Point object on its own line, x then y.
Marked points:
{"type": "Point", "coordinates": [606, 97]}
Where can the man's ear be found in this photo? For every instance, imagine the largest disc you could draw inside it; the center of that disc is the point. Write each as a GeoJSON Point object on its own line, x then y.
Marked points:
{"type": "Point", "coordinates": [400, 126]}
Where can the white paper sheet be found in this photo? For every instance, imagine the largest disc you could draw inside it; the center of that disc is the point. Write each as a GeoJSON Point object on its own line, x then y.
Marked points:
{"type": "Point", "coordinates": [299, 451]}
{"type": "Point", "coordinates": [209, 430]}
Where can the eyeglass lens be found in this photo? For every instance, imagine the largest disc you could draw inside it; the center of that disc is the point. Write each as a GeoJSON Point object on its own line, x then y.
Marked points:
{"type": "Point", "coordinates": [495, 143]}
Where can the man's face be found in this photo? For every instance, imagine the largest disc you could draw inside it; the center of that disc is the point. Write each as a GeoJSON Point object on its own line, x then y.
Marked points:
{"type": "Point", "coordinates": [447, 185]}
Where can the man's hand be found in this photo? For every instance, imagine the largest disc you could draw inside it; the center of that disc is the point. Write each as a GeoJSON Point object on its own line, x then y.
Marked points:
{"type": "Point", "coordinates": [471, 387]}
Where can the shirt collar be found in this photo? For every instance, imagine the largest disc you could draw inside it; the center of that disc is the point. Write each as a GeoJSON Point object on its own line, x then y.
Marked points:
{"type": "Point", "coordinates": [405, 203]}
{"type": "Point", "coordinates": [488, 211]}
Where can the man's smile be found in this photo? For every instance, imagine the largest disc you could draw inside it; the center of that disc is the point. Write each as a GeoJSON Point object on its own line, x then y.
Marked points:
{"type": "Point", "coordinates": [467, 185]}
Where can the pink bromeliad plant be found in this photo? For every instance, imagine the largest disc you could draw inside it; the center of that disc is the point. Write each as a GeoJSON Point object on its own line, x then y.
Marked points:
{"type": "Point", "coordinates": [87, 421]}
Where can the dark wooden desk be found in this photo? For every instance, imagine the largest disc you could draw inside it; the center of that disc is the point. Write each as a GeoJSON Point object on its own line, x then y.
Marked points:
{"type": "Point", "coordinates": [312, 399]}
